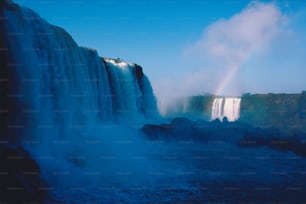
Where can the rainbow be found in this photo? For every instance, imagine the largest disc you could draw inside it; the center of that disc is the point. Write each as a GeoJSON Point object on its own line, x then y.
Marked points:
{"type": "Point", "coordinates": [226, 79]}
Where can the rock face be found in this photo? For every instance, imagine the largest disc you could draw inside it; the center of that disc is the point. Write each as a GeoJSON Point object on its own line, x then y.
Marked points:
{"type": "Point", "coordinates": [198, 107]}
{"type": "Point", "coordinates": [277, 110]}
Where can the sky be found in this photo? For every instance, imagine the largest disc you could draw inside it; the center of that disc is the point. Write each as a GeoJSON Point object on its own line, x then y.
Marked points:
{"type": "Point", "coordinates": [194, 47]}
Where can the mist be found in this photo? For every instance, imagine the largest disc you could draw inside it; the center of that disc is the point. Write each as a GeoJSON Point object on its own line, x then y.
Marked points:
{"type": "Point", "coordinates": [109, 157]}
{"type": "Point", "coordinates": [222, 60]}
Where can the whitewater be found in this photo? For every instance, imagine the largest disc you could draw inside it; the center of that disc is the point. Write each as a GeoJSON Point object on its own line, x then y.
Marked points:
{"type": "Point", "coordinates": [226, 107]}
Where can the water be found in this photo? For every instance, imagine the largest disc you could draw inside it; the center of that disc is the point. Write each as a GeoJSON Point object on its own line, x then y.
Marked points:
{"type": "Point", "coordinates": [67, 101]}
{"type": "Point", "coordinates": [226, 107]}
{"type": "Point", "coordinates": [73, 110]}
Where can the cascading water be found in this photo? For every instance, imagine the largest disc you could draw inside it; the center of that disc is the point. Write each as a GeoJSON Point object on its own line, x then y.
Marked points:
{"type": "Point", "coordinates": [58, 84]}
{"type": "Point", "coordinates": [64, 102]}
{"type": "Point", "coordinates": [217, 109]}
{"type": "Point", "coordinates": [131, 90]}
{"type": "Point", "coordinates": [226, 107]}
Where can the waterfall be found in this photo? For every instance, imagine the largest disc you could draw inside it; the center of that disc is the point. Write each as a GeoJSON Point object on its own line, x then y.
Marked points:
{"type": "Point", "coordinates": [217, 109]}
{"type": "Point", "coordinates": [62, 101]}
{"type": "Point", "coordinates": [226, 107]}
{"type": "Point", "coordinates": [124, 87]}
{"type": "Point", "coordinates": [53, 86]}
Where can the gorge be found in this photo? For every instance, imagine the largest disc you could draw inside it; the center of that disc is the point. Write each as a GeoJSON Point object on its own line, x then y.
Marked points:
{"type": "Point", "coordinates": [76, 127]}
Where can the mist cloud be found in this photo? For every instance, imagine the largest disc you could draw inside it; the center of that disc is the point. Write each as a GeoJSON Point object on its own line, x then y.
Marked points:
{"type": "Point", "coordinates": [225, 46]}
{"type": "Point", "coordinates": [230, 42]}
{"type": "Point", "coordinates": [234, 39]}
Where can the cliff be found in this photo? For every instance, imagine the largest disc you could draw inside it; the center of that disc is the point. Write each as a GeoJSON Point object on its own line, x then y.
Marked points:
{"type": "Point", "coordinates": [196, 107]}
{"type": "Point", "coordinates": [278, 110]}
{"type": "Point", "coordinates": [285, 111]}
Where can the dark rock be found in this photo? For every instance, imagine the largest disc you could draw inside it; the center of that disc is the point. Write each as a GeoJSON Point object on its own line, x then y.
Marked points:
{"type": "Point", "coordinates": [236, 133]}
{"type": "Point", "coordinates": [20, 177]}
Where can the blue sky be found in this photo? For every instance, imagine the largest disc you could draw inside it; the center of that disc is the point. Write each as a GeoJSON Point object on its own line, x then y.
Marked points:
{"type": "Point", "coordinates": [175, 41]}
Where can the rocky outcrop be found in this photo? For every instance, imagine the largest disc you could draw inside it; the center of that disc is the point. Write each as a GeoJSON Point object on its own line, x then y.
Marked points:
{"type": "Point", "coordinates": [20, 180]}
{"type": "Point", "coordinates": [236, 133]}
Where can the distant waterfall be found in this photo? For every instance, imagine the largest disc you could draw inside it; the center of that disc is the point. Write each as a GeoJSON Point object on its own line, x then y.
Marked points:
{"type": "Point", "coordinates": [217, 109]}
{"type": "Point", "coordinates": [226, 107]}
